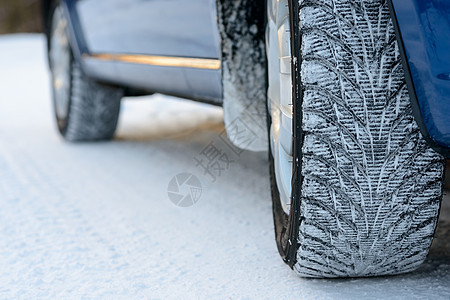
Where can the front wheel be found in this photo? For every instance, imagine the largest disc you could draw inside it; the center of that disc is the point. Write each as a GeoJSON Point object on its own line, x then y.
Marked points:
{"type": "Point", "coordinates": [356, 191]}
{"type": "Point", "coordinates": [85, 110]}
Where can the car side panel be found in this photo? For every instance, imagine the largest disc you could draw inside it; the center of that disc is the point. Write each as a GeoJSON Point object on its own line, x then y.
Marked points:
{"type": "Point", "coordinates": [169, 28]}
{"type": "Point", "coordinates": [424, 29]}
{"type": "Point", "coordinates": [158, 27]}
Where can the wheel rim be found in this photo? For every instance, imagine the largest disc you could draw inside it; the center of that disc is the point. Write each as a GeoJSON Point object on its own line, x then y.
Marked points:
{"type": "Point", "coordinates": [60, 58]}
{"type": "Point", "coordinates": [279, 96]}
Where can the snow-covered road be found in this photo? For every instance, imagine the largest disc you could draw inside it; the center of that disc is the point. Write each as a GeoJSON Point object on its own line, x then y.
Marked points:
{"type": "Point", "coordinates": [95, 221]}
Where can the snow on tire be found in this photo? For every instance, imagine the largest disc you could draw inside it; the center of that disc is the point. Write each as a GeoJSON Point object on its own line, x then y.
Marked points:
{"type": "Point", "coordinates": [370, 188]}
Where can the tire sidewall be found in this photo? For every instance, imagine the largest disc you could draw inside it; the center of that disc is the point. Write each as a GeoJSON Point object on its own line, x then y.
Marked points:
{"type": "Point", "coordinates": [287, 226]}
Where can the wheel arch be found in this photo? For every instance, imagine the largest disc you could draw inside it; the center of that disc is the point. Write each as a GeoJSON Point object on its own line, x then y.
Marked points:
{"type": "Point", "coordinates": [421, 28]}
{"type": "Point", "coordinates": [76, 36]}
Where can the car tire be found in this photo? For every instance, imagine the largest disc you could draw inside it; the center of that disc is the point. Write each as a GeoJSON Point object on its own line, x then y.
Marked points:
{"type": "Point", "coordinates": [363, 192]}
{"type": "Point", "coordinates": [85, 109]}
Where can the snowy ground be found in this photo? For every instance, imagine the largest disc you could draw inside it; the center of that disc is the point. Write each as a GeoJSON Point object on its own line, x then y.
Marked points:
{"type": "Point", "coordinates": [95, 220]}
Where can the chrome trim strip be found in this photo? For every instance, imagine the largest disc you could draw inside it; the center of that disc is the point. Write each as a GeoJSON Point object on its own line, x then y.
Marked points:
{"type": "Point", "coordinates": [165, 61]}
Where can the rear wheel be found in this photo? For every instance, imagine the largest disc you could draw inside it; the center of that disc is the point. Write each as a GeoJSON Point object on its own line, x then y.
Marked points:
{"type": "Point", "coordinates": [356, 191]}
{"type": "Point", "coordinates": [84, 109]}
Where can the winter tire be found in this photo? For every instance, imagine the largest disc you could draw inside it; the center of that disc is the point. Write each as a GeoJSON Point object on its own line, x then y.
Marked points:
{"type": "Point", "coordinates": [85, 110]}
{"type": "Point", "coordinates": [356, 190]}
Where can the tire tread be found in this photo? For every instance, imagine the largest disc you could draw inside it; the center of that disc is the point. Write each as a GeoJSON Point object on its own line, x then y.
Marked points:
{"type": "Point", "coordinates": [371, 186]}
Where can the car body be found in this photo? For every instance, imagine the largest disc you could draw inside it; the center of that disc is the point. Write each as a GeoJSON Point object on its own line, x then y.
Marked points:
{"type": "Point", "coordinates": [170, 47]}
{"type": "Point", "coordinates": [127, 30]}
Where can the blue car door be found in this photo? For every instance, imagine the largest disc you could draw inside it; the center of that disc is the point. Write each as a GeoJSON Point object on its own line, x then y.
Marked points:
{"type": "Point", "coordinates": [170, 46]}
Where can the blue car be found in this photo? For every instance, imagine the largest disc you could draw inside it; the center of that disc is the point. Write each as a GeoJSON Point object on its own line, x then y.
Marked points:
{"type": "Point", "coordinates": [350, 98]}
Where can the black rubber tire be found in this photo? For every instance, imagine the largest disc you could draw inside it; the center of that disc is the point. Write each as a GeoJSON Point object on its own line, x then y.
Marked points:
{"type": "Point", "coordinates": [366, 188]}
{"type": "Point", "coordinates": [93, 109]}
